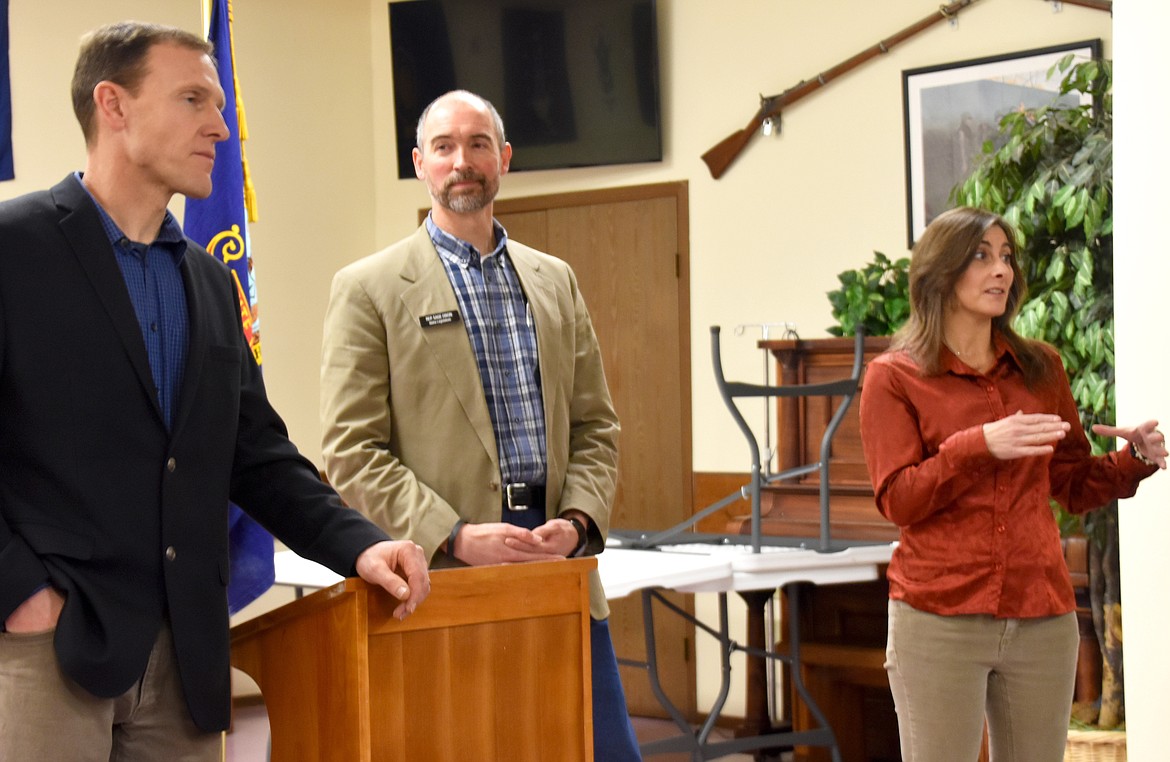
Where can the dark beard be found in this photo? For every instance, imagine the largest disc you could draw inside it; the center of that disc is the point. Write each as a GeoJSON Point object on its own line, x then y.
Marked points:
{"type": "Point", "coordinates": [467, 202]}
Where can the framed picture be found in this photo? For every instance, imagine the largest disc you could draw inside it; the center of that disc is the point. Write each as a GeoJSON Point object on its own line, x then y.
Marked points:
{"type": "Point", "coordinates": [952, 110]}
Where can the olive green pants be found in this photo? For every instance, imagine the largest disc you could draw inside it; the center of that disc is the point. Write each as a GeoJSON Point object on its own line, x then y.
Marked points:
{"type": "Point", "coordinates": [949, 673]}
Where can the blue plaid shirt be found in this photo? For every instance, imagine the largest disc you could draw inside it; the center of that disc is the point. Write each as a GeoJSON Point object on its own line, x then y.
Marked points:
{"type": "Point", "coordinates": [503, 337]}
{"type": "Point", "coordinates": [155, 282]}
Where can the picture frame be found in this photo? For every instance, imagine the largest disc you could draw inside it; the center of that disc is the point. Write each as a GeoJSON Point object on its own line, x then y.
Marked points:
{"type": "Point", "coordinates": [952, 109]}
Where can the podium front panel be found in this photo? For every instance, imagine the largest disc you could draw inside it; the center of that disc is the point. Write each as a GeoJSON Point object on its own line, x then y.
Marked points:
{"type": "Point", "coordinates": [494, 665]}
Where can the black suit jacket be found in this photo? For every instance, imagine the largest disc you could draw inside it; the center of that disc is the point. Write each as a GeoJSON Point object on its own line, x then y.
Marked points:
{"type": "Point", "coordinates": [97, 497]}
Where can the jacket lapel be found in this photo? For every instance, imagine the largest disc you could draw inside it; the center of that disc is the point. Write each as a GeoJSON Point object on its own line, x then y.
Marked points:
{"type": "Point", "coordinates": [82, 228]}
{"type": "Point", "coordinates": [430, 292]}
{"type": "Point", "coordinates": [196, 340]}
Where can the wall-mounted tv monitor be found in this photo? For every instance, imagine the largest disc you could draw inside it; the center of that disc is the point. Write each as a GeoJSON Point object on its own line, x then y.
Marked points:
{"type": "Point", "coordinates": [576, 81]}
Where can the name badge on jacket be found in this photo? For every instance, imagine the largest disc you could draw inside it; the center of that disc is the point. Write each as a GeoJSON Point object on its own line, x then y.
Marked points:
{"type": "Point", "coordinates": [438, 318]}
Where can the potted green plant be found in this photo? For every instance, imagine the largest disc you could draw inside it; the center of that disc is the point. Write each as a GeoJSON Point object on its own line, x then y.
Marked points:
{"type": "Point", "coordinates": [1050, 174]}
{"type": "Point", "coordinates": [876, 296]}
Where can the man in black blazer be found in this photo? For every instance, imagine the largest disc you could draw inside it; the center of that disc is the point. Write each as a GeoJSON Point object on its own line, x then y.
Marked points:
{"type": "Point", "coordinates": [131, 412]}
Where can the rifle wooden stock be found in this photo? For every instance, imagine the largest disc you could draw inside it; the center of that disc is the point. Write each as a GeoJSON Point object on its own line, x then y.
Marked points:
{"type": "Point", "coordinates": [720, 156]}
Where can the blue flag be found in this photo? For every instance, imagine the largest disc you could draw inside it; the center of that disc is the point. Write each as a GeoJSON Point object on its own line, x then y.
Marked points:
{"type": "Point", "coordinates": [220, 224]}
{"type": "Point", "coordinates": [6, 171]}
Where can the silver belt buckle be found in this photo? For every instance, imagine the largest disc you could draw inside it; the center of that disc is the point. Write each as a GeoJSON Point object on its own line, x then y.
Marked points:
{"type": "Point", "coordinates": [518, 495]}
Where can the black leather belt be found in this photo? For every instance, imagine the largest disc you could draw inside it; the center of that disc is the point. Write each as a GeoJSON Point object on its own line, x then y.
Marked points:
{"type": "Point", "coordinates": [520, 496]}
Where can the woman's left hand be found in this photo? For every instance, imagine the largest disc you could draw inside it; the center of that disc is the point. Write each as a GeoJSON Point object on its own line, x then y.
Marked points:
{"type": "Point", "coordinates": [1145, 437]}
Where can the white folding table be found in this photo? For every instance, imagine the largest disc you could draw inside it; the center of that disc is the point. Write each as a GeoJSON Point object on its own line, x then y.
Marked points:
{"type": "Point", "coordinates": [722, 568]}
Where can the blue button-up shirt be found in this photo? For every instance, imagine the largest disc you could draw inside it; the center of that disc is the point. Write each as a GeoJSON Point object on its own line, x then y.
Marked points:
{"type": "Point", "coordinates": [499, 324]}
{"type": "Point", "coordinates": [154, 280]}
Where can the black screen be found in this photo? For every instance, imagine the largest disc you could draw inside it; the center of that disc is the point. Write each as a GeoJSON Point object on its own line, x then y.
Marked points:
{"type": "Point", "coordinates": [576, 81]}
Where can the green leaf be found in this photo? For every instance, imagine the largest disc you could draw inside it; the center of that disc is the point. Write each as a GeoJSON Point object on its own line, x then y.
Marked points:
{"type": "Point", "coordinates": [1063, 195]}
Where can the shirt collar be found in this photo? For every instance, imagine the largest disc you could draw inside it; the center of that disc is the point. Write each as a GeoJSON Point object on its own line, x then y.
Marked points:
{"type": "Point", "coordinates": [949, 363]}
{"type": "Point", "coordinates": [170, 235]}
{"type": "Point", "coordinates": [463, 253]}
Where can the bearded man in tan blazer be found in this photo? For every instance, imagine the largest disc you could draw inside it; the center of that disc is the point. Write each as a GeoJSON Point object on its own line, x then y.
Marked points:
{"type": "Point", "coordinates": [463, 396]}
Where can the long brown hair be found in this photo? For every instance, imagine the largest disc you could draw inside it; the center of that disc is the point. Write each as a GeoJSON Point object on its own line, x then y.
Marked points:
{"type": "Point", "coordinates": [939, 259]}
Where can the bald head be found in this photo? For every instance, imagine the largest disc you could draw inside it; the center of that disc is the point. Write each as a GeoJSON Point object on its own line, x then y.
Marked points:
{"type": "Point", "coordinates": [464, 97]}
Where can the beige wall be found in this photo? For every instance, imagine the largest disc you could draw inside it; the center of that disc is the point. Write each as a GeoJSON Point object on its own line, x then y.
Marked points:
{"type": "Point", "coordinates": [766, 240]}
{"type": "Point", "coordinates": [1141, 273]}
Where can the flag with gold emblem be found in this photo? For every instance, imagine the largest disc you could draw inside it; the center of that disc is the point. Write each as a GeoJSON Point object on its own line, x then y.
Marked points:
{"type": "Point", "coordinates": [220, 224]}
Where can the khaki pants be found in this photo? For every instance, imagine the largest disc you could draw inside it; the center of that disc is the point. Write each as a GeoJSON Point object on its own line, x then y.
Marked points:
{"type": "Point", "coordinates": [46, 716]}
{"type": "Point", "coordinates": [948, 673]}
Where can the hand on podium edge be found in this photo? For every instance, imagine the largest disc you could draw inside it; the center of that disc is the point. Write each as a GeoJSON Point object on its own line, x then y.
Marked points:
{"type": "Point", "coordinates": [400, 568]}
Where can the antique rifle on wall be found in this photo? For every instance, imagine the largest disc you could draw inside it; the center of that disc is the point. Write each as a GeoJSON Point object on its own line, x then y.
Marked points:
{"type": "Point", "coordinates": [1097, 5]}
{"type": "Point", "coordinates": [720, 156]}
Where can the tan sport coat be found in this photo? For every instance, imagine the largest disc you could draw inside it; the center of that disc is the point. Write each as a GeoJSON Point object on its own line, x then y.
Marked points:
{"type": "Point", "coordinates": [407, 435]}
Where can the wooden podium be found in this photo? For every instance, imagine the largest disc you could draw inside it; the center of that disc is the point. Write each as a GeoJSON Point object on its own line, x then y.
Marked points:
{"type": "Point", "coordinates": [493, 665]}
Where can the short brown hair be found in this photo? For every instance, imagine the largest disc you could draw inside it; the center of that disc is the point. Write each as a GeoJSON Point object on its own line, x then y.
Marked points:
{"type": "Point", "coordinates": [117, 53]}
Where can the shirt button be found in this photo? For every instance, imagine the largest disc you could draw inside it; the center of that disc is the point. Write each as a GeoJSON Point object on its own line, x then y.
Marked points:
{"type": "Point", "coordinates": [1000, 528]}
{"type": "Point", "coordinates": [154, 327]}
{"type": "Point", "coordinates": [170, 553]}
{"type": "Point", "coordinates": [171, 465]}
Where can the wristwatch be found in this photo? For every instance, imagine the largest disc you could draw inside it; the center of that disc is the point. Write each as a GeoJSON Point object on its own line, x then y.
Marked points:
{"type": "Point", "coordinates": [582, 534]}
{"type": "Point", "coordinates": [1134, 451]}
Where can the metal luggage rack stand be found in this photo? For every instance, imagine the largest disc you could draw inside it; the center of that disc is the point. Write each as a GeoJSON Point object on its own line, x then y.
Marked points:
{"type": "Point", "coordinates": [697, 741]}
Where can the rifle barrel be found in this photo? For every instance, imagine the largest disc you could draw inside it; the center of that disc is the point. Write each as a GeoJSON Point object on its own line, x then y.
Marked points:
{"type": "Point", "coordinates": [1100, 5]}
{"type": "Point", "coordinates": [720, 156]}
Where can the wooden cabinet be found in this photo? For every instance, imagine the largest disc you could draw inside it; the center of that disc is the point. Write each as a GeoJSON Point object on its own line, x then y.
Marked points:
{"type": "Point", "coordinates": [792, 508]}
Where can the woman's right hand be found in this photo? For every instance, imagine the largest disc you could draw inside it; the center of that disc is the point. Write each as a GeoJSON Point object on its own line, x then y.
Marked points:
{"type": "Point", "coordinates": [1024, 435]}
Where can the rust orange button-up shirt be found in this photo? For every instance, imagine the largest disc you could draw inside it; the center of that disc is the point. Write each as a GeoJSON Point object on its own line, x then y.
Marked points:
{"type": "Point", "coordinates": [977, 533]}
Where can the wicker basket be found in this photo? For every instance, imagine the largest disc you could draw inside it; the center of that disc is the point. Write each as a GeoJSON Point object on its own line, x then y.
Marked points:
{"type": "Point", "coordinates": [1095, 746]}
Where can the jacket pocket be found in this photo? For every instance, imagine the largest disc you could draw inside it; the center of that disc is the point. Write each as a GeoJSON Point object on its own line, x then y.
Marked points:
{"type": "Point", "coordinates": [49, 539]}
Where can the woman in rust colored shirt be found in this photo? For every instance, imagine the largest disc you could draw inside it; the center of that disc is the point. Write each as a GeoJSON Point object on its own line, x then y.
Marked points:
{"type": "Point", "coordinates": [968, 429]}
